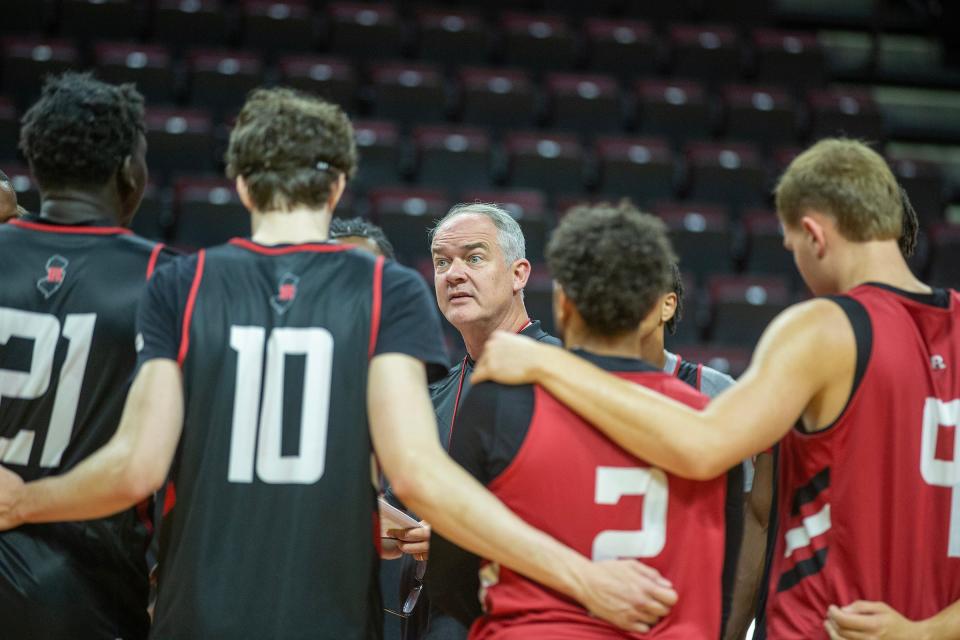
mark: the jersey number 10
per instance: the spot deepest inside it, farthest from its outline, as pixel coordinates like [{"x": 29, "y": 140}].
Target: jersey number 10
[
  {"x": 44, "y": 330},
  {"x": 943, "y": 473},
  {"x": 262, "y": 439}
]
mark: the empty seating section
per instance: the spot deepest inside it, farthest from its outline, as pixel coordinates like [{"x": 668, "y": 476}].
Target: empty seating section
[{"x": 691, "y": 109}]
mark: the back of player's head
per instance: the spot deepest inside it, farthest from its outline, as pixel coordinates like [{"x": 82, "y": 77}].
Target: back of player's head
[
  {"x": 80, "y": 131},
  {"x": 360, "y": 228},
  {"x": 290, "y": 149},
  {"x": 677, "y": 289},
  {"x": 613, "y": 262},
  {"x": 847, "y": 180},
  {"x": 512, "y": 242}
]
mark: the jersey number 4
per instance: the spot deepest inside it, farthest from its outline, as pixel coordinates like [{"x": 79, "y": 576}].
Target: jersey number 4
[
  {"x": 943, "y": 473},
  {"x": 262, "y": 440},
  {"x": 612, "y": 484},
  {"x": 44, "y": 331}
]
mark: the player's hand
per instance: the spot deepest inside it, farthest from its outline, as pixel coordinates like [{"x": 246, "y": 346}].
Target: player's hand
[
  {"x": 864, "y": 620},
  {"x": 508, "y": 358},
  {"x": 10, "y": 487},
  {"x": 628, "y": 594},
  {"x": 414, "y": 542}
]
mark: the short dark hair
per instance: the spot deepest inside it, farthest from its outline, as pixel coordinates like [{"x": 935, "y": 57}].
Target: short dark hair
[
  {"x": 613, "y": 262},
  {"x": 290, "y": 148},
  {"x": 677, "y": 288},
  {"x": 80, "y": 130},
  {"x": 346, "y": 227}
]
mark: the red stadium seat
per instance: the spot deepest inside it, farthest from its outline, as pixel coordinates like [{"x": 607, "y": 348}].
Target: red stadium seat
[
  {"x": 545, "y": 161},
  {"x": 149, "y": 67},
  {"x": 732, "y": 174},
  {"x": 700, "y": 234},
  {"x": 585, "y": 102},
  {"x": 625, "y": 47},
  {"x": 498, "y": 97},
  {"x": 191, "y": 22},
  {"x": 179, "y": 140},
  {"x": 711, "y": 53},
  {"x": 9, "y": 129},
  {"x": 743, "y": 306},
  {"x": 28, "y": 60},
  {"x": 278, "y": 25},
  {"x": 788, "y": 56},
  {"x": 378, "y": 144},
  {"x": 538, "y": 41},
  {"x": 454, "y": 157},
  {"x": 365, "y": 30},
  {"x": 845, "y": 112},
  {"x": 89, "y": 19},
  {"x": 208, "y": 212},
  {"x": 28, "y": 195},
  {"x": 763, "y": 114},
  {"x": 529, "y": 209},
  {"x": 221, "y": 80},
  {"x": 642, "y": 169},
  {"x": 405, "y": 215},
  {"x": 452, "y": 36},
  {"x": 331, "y": 78},
  {"x": 410, "y": 92},
  {"x": 674, "y": 108}
]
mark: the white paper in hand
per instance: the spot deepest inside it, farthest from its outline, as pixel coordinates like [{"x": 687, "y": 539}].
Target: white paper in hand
[{"x": 393, "y": 518}]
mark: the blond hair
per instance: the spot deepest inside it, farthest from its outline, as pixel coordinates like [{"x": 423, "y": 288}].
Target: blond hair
[{"x": 847, "y": 180}]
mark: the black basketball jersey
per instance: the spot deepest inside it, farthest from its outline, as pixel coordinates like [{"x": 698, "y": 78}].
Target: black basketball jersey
[
  {"x": 274, "y": 528},
  {"x": 67, "y": 326}
]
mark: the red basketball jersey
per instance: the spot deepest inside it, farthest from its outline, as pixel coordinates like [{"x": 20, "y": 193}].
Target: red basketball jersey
[
  {"x": 570, "y": 481},
  {"x": 869, "y": 508}
]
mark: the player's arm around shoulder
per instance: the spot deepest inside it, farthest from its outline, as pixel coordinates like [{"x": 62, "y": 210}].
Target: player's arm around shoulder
[{"x": 131, "y": 466}]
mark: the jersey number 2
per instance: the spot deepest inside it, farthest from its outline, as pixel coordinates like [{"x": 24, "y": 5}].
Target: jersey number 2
[
  {"x": 943, "y": 473},
  {"x": 44, "y": 330},
  {"x": 615, "y": 482},
  {"x": 266, "y": 438}
]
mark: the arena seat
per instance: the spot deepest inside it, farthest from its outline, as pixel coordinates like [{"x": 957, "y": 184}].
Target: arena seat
[
  {"x": 331, "y": 78},
  {"x": 408, "y": 92},
  {"x": 642, "y": 169},
  {"x": 28, "y": 60},
  {"x": 584, "y": 102},
  {"x": 365, "y": 30},
  {"x": 743, "y": 306},
  {"x": 709, "y": 53},
  {"x": 221, "y": 79},
  {"x": 452, "y": 35},
  {"x": 763, "y": 114},
  {"x": 700, "y": 234},
  {"x": 793, "y": 56},
  {"x": 728, "y": 173},
  {"x": 278, "y": 25},
  {"x": 89, "y": 19},
  {"x": 498, "y": 97},
  {"x": 28, "y": 196},
  {"x": 844, "y": 112},
  {"x": 378, "y": 145},
  {"x": 181, "y": 23},
  {"x": 148, "y": 66},
  {"x": 405, "y": 214},
  {"x": 208, "y": 211},
  {"x": 625, "y": 47},
  {"x": 538, "y": 41},
  {"x": 677, "y": 109},
  {"x": 455, "y": 157},
  {"x": 546, "y": 161},
  {"x": 179, "y": 140}
]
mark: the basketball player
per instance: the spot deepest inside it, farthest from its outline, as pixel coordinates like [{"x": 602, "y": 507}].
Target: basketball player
[
  {"x": 363, "y": 234},
  {"x": 545, "y": 463},
  {"x": 259, "y": 363},
  {"x": 72, "y": 277},
  {"x": 868, "y": 485}
]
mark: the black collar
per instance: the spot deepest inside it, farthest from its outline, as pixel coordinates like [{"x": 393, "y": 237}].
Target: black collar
[{"x": 617, "y": 363}]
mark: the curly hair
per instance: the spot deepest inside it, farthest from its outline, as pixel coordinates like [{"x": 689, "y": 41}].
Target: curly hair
[
  {"x": 613, "y": 262},
  {"x": 360, "y": 228},
  {"x": 80, "y": 130},
  {"x": 290, "y": 148},
  {"x": 911, "y": 226}
]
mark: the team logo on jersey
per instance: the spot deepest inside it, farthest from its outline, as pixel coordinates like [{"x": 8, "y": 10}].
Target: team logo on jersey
[
  {"x": 937, "y": 363},
  {"x": 53, "y": 280},
  {"x": 286, "y": 293}
]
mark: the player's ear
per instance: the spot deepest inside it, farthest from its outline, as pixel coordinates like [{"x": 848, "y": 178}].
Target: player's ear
[
  {"x": 815, "y": 232},
  {"x": 336, "y": 191},
  {"x": 561, "y": 307},
  {"x": 244, "y": 194},
  {"x": 521, "y": 274},
  {"x": 668, "y": 307}
]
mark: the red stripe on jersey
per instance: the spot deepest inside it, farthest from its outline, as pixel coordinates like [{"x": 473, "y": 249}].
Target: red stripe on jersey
[
  {"x": 188, "y": 311},
  {"x": 676, "y": 369},
  {"x": 58, "y": 228},
  {"x": 153, "y": 259},
  {"x": 243, "y": 243},
  {"x": 377, "y": 300},
  {"x": 699, "y": 377},
  {"x": 170, "y": 498}
]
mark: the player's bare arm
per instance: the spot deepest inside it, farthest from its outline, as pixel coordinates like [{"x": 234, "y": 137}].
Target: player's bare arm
[
  {"x": 864, "y": 620},
  {"x": 131, "y": 466},
  {"x": 803, "y": 366},
  {"x": 422, "y": 475}
]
